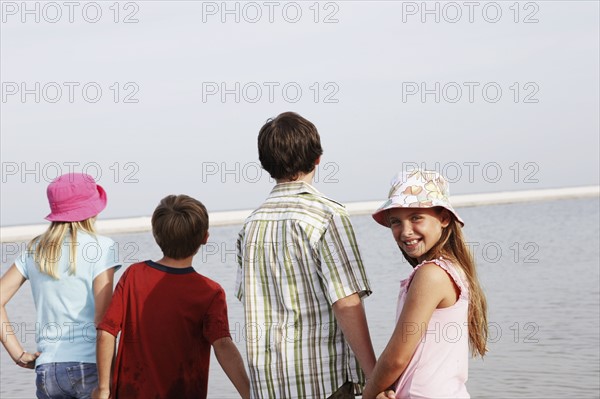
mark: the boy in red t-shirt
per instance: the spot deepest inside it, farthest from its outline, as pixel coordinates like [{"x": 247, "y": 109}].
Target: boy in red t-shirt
[{"x": 169, "y": 316}]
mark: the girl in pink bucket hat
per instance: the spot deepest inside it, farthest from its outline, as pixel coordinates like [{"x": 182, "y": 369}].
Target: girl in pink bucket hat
[
  {"x": 441, "y": 314},
  {"x": 71, "y": 271}
]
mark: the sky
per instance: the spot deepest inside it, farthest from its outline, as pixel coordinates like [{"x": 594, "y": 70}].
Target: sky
[{"x": 154, "y": 98}]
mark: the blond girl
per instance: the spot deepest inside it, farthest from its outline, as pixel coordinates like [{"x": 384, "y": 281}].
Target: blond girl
[{"x": 70, "y": 269}]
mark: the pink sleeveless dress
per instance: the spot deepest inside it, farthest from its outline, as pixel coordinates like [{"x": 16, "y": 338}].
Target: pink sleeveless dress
[{"x": 439, "y": 366}]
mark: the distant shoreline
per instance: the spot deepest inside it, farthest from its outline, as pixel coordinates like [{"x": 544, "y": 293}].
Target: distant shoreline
[{"x": 227, "y": 218}]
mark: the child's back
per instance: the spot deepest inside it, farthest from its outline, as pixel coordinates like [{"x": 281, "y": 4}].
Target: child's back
[
  {"x": 168, "y": 318},
  {"x": 290, "y": 272},
  {"x": 68, "y": 302}
]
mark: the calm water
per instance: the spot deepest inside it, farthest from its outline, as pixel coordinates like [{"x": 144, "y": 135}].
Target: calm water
[{"x": 538, "y": 262}]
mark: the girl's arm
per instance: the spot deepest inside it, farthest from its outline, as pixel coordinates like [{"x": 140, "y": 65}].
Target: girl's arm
[
  {"x": 9, "y": 285},
  {"x": 430, "y": 286},
  {"x": 103, "y": 290}
]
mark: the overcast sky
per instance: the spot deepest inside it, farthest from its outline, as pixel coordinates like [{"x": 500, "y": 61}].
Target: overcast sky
[{"x": 157, "y": 97}]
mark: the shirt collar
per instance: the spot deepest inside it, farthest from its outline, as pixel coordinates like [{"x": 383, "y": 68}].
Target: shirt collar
[
  {"x": 293, "y": 188},
  {"x": 297, "y": 188},
  {"x": 170, "y": 270}
]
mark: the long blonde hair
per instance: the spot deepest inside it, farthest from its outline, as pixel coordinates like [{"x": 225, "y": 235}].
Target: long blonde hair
[
  {"x": 48, "y": 246},
  {"x": 452, "y": 246}
]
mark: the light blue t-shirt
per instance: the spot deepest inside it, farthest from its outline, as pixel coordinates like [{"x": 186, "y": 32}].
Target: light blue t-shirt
[{"x": 65, "y": 329}]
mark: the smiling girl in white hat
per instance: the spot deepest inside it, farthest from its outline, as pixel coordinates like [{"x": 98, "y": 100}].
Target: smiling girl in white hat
[{"x": 441, "y": 307}]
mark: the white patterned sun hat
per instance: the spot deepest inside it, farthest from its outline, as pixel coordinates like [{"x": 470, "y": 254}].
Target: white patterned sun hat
[{"x": 416, "y": 189}]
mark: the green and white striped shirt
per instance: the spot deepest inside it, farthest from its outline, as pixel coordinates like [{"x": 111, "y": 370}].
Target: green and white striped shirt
[{"x": 297, "y": 255}]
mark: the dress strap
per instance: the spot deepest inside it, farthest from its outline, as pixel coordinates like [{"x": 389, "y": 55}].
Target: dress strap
[{"x": 450, "y": 269}]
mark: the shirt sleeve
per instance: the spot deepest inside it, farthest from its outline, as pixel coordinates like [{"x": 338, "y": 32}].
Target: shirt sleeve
[
  {"x": 216, "y": 324},
  {"x": 108, "y": 257},
  {"x": 342, "y": 268},
  {"x": 113, "y": 318},
  {"x": 239, "y": 281},
  {"x": 21, "y": 263}
]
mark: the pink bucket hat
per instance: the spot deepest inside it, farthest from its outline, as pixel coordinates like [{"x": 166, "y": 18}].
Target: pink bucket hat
[
  {"x": 74, "y": 197},
  {"x": 416, "y": 189}
]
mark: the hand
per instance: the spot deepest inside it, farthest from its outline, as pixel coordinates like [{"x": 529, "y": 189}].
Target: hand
[
  {"x": 101, "y": 394},
  {"x": 386, "y": 395},
  {"x": 27, "y": 361}
]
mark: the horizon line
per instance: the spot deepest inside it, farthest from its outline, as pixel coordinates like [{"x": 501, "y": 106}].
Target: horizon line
[{"x": 228, "y": 218}]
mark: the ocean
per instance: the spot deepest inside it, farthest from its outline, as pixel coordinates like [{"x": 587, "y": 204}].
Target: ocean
[{"x": 538, "y": 262}]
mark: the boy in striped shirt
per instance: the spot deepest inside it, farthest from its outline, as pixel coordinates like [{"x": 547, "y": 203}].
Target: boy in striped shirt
[{"x": 301, "y": 278}]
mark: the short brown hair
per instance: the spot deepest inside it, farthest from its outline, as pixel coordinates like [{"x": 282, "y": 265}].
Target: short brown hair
[
  {"x": 179, "y": 226},
  {"x": 288, "y": 145}
]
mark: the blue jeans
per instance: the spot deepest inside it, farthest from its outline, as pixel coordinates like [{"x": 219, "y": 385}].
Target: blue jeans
[{"x": 66, "y": 380}]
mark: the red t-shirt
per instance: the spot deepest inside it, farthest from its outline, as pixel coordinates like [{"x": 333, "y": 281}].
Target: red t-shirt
[{"x": 168, "y": 319}]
